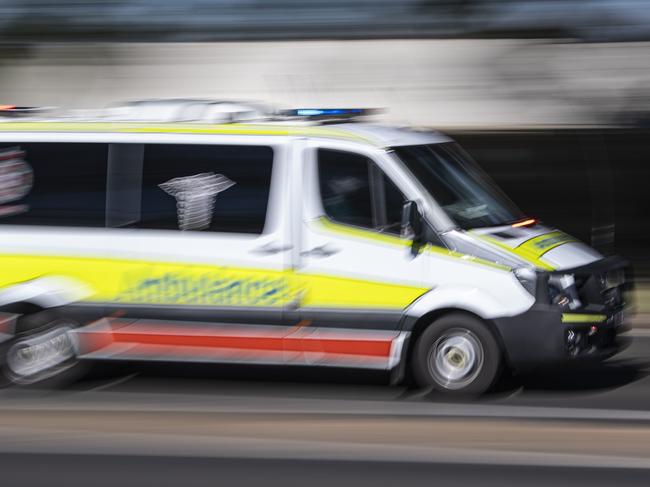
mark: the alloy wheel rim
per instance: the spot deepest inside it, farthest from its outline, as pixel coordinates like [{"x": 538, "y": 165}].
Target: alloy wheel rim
[{"x": 456, "y": 359}]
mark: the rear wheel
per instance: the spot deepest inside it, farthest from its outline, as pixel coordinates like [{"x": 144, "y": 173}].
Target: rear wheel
[
  {"x": 457, "y": 354},
  {"x": 43, "y": 351}
]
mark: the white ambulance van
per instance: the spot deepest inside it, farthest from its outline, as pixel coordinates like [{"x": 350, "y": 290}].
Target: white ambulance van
[{"x": 306, "y": 239}]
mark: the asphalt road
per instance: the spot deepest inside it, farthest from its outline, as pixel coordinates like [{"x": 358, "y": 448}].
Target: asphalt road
[
  {"x": 99, "y": 471},
  {"x": 171, "y": 425}
]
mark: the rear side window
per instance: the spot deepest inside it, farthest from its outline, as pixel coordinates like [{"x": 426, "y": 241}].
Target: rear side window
[
  {"x": 215, "y": 188},
  {"x": 356, "y": 192},
  {"x": 61, "y": 184}
]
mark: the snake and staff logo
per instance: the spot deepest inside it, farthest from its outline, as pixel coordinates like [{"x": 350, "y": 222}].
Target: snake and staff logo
[
  {"x": 16, "y": 179},
  {"x": 195, "y": 198}
]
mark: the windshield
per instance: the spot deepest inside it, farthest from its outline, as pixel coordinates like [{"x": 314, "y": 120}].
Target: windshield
[{"x": 458, "y": 185}]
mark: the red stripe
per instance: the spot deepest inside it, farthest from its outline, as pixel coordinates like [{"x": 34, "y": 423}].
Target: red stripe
[
  {"x": 353, "y": 346},
  {"x": 374, "y": 348},
  {"x": 7, "y": 321},
  {"x": 234, "y": 339},
  {"x": 165, "y": 352}
]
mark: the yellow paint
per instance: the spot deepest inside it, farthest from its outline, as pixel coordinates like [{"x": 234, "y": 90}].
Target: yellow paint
[
  {"x": 582, "y": 318},
  {"x": 543, "y": 243},
  {"x": 186, "y": 128},
  {"x": 336, "y": 292},
  {"x": 163, "y": 283},
  {"x": 356, "y": 232},
  {"x": 529, "y": 254},
  {"x": 141, "y": 282}
]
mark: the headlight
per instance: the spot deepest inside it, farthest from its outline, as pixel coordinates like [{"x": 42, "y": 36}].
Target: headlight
[
  {"x": 563, "y": 292},
  {"x": 528, "y": 278}
]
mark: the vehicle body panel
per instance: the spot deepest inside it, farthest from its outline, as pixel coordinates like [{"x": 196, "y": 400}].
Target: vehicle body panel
[{"x": 307, "y": 290}]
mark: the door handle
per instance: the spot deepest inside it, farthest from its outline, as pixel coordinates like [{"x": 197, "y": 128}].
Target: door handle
[
  {"x": 324, "y": 250},
  {"x": 272, "y": 248}
]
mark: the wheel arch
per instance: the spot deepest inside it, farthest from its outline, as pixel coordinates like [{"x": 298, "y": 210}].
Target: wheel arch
[
  {"x": 25, "y": 307},
  {"x": 42, "y": 293},
  {"x": 416, "y": 327}
]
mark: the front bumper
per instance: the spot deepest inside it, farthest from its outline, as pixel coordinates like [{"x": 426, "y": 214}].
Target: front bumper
[{"x": 545, "y": 336}]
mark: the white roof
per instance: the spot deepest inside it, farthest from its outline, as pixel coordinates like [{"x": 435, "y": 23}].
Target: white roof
[{"x": 392, "y": 136}]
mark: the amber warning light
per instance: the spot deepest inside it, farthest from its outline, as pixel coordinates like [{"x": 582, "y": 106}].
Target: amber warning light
[{"x": 525, "y": 223}]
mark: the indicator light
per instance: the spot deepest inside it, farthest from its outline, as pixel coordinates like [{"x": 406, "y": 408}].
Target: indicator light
[{"x": 525, "y": 223}]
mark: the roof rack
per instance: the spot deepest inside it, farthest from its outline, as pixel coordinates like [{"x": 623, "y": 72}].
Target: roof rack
[
  {"x": 176, "y": 110},
  {"x": 187, "y": 110},
  {"x": 223, "y": 111}
]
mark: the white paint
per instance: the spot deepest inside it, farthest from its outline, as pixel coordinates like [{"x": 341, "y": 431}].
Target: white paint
[
  {"x": 572, "y": 254},
  {"x": 487, "y": 296},
  {"x": 484, "y": 290},
  {"x": 46, "y": 292}
]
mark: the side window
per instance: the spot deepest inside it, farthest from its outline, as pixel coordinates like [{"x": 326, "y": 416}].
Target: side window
[
  {"x": 61, "y": 184},
  {"x": 355, "y": 191},
  {"x": 205, "y": 187},
  {"x": 345, "y": 187},
  {"x": 394, "y": 204}
]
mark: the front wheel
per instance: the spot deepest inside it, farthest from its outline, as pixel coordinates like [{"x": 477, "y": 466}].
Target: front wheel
[{"x": 457, "y": 354}]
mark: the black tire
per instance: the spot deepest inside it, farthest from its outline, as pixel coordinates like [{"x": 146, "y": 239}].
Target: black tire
[
  {"x": 30, "y": 329},
  {"x": 457, "y": 354}
]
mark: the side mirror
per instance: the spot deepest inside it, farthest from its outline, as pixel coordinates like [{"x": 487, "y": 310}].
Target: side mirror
[{"x": 411, "y": 226}]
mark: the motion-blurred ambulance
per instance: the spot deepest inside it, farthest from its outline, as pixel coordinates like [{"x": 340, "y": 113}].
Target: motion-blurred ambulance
[{"x": 304, "y": 238}]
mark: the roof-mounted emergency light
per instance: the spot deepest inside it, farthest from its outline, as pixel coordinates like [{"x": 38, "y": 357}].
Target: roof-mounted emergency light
[{"x": 329, "y": 113}]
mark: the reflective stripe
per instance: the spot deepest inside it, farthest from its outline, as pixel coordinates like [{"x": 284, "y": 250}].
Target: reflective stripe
[
  {"x": 337, "y": 292},
  {"x": 582, "y": 318},
  {"x": 171, "y": 341},
  {"x": 525, "y": 253},
  {"x": 190, "y": 128},
  {"x": 538, "y": 246},
  {"x": 172, "y": 283},
  {"x": 532, "y": 250}
]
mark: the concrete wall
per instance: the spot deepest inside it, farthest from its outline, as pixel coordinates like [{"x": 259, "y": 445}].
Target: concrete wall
[{"x": 423, "y": 82}]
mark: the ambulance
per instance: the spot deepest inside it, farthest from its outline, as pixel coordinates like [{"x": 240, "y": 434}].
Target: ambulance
[{"x": 217, "y": 234}]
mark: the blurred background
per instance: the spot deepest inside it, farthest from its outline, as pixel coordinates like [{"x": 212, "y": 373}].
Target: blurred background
[
  {"x": 544, "y": 93},
  {"x": 552, "y": 97}
]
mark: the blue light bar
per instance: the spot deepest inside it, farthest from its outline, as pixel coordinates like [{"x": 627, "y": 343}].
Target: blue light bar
[
  {"x": 329, "y": 113},
  {"x": 324, "y": 112}
]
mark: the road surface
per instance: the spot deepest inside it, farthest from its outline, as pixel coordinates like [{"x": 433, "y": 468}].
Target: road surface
[{"x": 167, "y": 425}]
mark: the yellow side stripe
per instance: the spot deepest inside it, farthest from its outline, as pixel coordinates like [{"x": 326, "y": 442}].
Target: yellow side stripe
[
  {"x": 356, "y": 232},
  {"x": 582, "y": 318},
  {"x": 524, "y": 253},
  {"x": 543, "y": 243},
  {"x": 176, "y": 283},
  {"x": 188, "y": 128}
]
